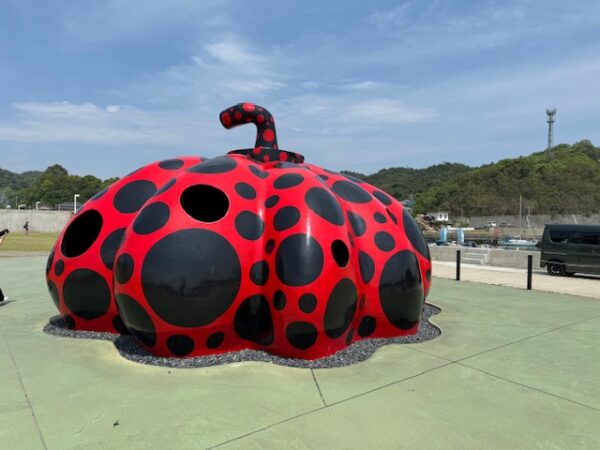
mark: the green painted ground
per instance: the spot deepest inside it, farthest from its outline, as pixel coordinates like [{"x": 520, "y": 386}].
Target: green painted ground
[
  {"x": 32, "y": 242},
  {"x": 512, "y": 369}
]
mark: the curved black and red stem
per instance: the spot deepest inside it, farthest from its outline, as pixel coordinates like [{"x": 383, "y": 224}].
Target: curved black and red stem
[{"x": 243, "y": 113}]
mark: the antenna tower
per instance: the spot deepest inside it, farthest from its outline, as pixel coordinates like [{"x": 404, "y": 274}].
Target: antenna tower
[{"x": 550, "y": 113}]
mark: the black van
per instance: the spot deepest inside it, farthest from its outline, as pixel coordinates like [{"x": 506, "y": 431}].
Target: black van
[{"x": 567, "y": 249}]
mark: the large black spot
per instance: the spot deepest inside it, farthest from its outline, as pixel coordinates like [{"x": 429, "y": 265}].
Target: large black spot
[
  {"x": 286, "y": 217},
  {"x": 358, "y": 224},
  {"x": 367, "y": 266},
  {"x": 340, "y": 308},
  {"x": 165, "y": 187},
  {"x": 119, "y": 326},
  {"x": 191, "y": 277},
  {"x": 249, "y": 225},
  {"x": 81, "y": 234},
  {"x": 204, "y": 203},
  {"x": 59, "y": 268},
  {"x": 414, "y": 234},
  {"x": 259, "y": 272},
  {"x": 401, "y": 290},
  {"x": 301, "y": 335},
  {"x": 124, "y": 268},
  {"x": 50, "y": 261},
  {"x": 307, "y": 303},
  {"x": 367, "y": 326},
  {"x": 379, "y": 217},
  {"x": 180, "y": 344},
  {"x": 136, "y": 319},
  {"x": 221, "y": 164},
  {"x": 272, "y": 201},
  {"x": 384, "y": 241},
  {"x": 259, "y": 173},
  {"x": 279, "y": 300},
  {"x": 246, "y": 191},
  {"x": 132, "y": 196},
  {"x": 253, "y": 320},
  {"x": 323, "y": 177},
  {"x": 340, "y": 253},
  {"x": 351, "y": 192},
  {"x": 299, "y": 260},
  {"x": 215, "y": 339},
  {"x": 323, "y": 204},
  {"x": 383, "y": 198},
  {"x": 288, "y": 180},
  {"x": 54, "y": 293},
  {"x": 86, "y": 294},
  {"x": 152, "y": 218},
  {"x": 171, "y": 164},
  {"x": 110, "y": 246},
  {"x": 99, "y": 194}
]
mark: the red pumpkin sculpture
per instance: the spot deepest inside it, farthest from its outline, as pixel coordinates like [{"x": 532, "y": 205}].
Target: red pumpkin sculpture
[{"x": 255, "y": 249}]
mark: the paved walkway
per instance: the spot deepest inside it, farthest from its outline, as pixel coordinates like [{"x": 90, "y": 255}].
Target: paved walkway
[{"x": 512, "y": 369}]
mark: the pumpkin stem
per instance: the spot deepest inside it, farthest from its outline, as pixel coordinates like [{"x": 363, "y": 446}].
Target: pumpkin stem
[{"x": 243, "y": 113}]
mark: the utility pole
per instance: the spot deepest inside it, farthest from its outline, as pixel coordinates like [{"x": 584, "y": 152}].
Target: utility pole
[{"x": 551, "y": 113}]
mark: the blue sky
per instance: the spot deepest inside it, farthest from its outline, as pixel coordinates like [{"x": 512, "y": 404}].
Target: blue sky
[{"x": 103, "y": 87}]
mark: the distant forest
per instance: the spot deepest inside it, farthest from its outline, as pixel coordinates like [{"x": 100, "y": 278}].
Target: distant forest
[{"x": 568, "y": 182}]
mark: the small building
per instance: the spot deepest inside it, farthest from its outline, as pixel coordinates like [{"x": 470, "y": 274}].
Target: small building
[
  {"x": 438, "y": 216},
  {"x": 68, "y": 206}
]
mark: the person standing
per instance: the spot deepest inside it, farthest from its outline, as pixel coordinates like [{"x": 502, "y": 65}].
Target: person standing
[{"x": 26, "y": 227}]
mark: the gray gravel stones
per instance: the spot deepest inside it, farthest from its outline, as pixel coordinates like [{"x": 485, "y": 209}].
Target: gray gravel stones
[{"x": 129, "y": 348}]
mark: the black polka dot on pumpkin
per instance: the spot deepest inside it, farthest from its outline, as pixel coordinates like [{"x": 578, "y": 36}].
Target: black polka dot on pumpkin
[
  {"x": 340, "y": 308},
  {"x": 279, "y": 300},
  {"x": 215, "y": 339},
  {"x": 367, "y": 266},
  {"x": 286, "y": 217},
  {"x": 119, "y": 326},
  {"x": 340, "y": 252},
  {"x": 132, "y": 196},
  {"x": 323, "y": 177},
  {"x": 351, "y": 178},
  {"x": 52, "y": 289},
  {"x": 307, "y": 303},
  {"x": 191, "y": 277},
  {"x": 384, "y": 241},
  {"x": 383, "y": 198},
  {"x": 358, "y": 224},
  {"x": 59, "y": 268},
  {"x": 221, "y": 164},
  {"x": 86, "y": 294},
  {"x": 351, "y": 192},
  {"x": 110, "y": 246},
  {"x": 349, "y": 337},
  {"x": 152, "y": 218},
  {"x": 180, "y": 344},
  {"x": 171, "y": 164},
  {"x": 392, "y": 216},
  {"x": 259, "y": 273},
  {"x": 124, "y": 268},
  {"x": 367, "y": 325},
  {"x": 99, "y": 194},
  {"x": 136, "y": 319},
  {"x": 401, "y": 290},
  {"x": 325, "y": 205},
  {"x": 165, "y": 187},
  {"x": 49, "y": 261},
  {"x": 272, "y": 201},
  {"x": 299, "y": 260},
  {"x": 81, "y": 234},
  {"x": 414, "y": 234},
  {"x": 269, "y": 246},
  {"x": 379, "y": 217},
  {"x": 249, "y": 225},
  {"x": 259, "y": 173},
  {"x": 301, "y": 335},
  {"x": 288, "y": 180},
  {"x": 246, "y": 191},
  {"x": 253, "y": 320}
]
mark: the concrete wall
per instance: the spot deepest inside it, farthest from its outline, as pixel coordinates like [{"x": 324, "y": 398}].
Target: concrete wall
[
  {"x": 39, "y": 221},
  {"x": 496, "y": 256}
]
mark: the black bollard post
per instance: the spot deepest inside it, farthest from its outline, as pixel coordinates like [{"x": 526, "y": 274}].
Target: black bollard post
[
  {"x": 457, "y": 265},
  {"x": 529, "y": 270}
]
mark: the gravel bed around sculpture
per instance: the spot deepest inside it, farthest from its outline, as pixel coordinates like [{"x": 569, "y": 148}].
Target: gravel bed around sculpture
[{"x": 360, "y": 351}]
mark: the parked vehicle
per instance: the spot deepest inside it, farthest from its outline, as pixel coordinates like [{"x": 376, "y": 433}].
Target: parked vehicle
[
  {"x": 469, "y": 244},
  {"x": 569, "y": 249}
]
